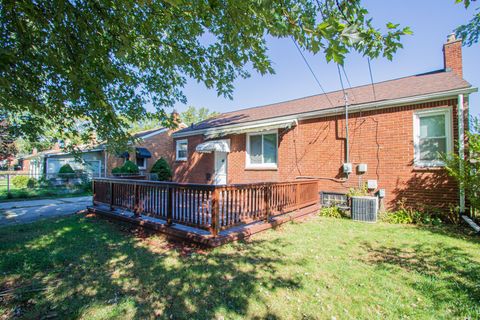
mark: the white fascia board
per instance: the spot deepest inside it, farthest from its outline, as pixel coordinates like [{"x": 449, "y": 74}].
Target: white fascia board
[
  {"x": 333, "y": 111},
  {"x": 69, "y": 153}
]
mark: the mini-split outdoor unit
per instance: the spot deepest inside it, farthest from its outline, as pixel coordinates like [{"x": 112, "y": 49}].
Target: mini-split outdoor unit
[{"x": 364, "y": 208}]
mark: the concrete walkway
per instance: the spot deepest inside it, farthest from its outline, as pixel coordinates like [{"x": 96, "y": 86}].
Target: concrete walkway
[{"x": 17, "y": 212}]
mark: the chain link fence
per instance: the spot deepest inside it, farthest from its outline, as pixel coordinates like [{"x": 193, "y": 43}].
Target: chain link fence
[{"x": 14, "y": 185}]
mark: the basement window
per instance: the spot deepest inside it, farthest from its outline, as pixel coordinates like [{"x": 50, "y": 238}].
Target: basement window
[
  {"x": 432, "y": 136},
  {"x": 262, "y": 150}
]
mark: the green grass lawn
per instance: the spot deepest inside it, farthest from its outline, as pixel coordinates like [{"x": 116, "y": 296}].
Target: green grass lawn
[{"x": 89, "y": 268}]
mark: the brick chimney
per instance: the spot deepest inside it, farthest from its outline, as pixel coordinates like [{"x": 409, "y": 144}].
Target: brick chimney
[
  {"x": 175, "y": 118},
  {"x": 452, "y": 55}
]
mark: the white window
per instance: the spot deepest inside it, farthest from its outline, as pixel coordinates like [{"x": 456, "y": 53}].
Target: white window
[
  {"x": 141, "y": 163},
  {"x": 432, "y": 136},
  {"x": 262, "y": 150},
  {"x": 182, "y": 150}
]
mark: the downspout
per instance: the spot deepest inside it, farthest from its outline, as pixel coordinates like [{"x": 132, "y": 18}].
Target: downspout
[
  {"x": 347, "y": 145},
  {"x": 461, "y": 148}
]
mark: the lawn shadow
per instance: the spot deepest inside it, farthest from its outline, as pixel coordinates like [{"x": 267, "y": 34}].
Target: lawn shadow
[
  {"x": 89, "y": 265},
  {"x": 451, "y": 275}
]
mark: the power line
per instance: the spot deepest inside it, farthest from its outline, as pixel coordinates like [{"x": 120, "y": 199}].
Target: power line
[
  {"x": 348, "y": 81},
  {"x": 371, "y": 79},
  {"x": 341, "y": 79},
  {"x": 346, "y": 77},
  {"x": 313, "y": 73}
]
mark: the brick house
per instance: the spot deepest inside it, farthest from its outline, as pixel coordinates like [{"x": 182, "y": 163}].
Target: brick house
[
  {"x": 154, "y": 144},
  {"x": 396, "y": 130}
]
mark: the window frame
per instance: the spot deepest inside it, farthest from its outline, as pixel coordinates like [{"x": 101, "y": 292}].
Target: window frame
[
  {"x": 177, "y": 144},
  {"x": 447, "y": 112},
  {"x": 261, "y": 166}
]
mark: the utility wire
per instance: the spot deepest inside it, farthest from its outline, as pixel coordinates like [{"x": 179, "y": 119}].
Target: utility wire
[
  {"x": 313, "y": 73},
  {"x": 371, "y": 80},
  {"x": 341, "y": 79},
  {"x": 348, "y": 81}
]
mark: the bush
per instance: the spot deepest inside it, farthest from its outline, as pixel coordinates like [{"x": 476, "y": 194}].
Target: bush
[
  {"x": 117, "y": 170},
  {"x": 469, "y": 177},
  {"x": 66, "y": 171},
  {"x": 408, "y": 215},
  {"x": 128, "y": 168},
  {"x": 21, "y": 182},
  {"x": 332, "y": 212},
  {"x": 162, "y": 169},
  {"x": 358, "y": 192}
]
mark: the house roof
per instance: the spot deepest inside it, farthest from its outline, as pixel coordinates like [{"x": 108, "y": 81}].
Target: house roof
[{"x": 416, "y": 85}]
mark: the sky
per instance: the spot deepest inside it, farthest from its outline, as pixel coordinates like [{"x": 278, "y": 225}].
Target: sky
[{"x": 430, "y": 20}]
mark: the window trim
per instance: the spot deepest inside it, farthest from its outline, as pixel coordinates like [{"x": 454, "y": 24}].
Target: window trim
[
  {"x": 263, "y": 166},
  {"x": 447, "y": 112},
  {"x": 177, "y": 144}
]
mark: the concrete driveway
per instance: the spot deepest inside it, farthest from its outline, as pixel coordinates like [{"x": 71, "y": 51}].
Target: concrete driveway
[{"x": 17, "y": 212}]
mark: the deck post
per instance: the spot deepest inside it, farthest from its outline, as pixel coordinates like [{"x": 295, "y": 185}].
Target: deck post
[
  {"x": 297, "y": 196},
  {"x": 169, "y": 205},
  {"x": 266, "y": 198},
  {"x": 136, "y": 201},
  {"x": 93, "y": 192},
  {"x": 215, "y": 211},
  {"x": 111, "y": 195}
]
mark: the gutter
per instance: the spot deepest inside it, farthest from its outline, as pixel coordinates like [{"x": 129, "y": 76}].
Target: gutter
[{"x": 377, "y": 105}]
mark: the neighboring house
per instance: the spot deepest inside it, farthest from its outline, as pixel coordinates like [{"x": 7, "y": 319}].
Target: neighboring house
[
  {"x": 96, "y": 161},
  {"x": 155, "y": 144},
  {"x": 396, "y": 128},
  {"x": 34, "y": 164}
]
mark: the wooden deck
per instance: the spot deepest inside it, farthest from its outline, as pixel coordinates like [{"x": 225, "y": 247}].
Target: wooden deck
[{"x": 206, "y": 214}]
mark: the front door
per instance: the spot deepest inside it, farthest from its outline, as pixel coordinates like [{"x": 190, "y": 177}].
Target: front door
[{"x": 220, "y": 168}]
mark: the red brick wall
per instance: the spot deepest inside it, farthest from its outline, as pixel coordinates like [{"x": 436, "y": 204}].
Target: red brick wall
[
  {"x": 198, "y": 168},
  {"x": 382, "y": 139},
  {"x": 452, "y": 54}
]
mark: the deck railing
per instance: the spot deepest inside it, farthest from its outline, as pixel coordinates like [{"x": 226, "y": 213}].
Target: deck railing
[{"x": 207, "y": 207}]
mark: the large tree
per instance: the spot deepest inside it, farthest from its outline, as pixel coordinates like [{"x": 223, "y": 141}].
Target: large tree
[
  {"x": 470, "y": 32},
  {"x": 7, "y": 140},
  {"x": 104, "y": 61},
  {"x": 193, "y": 115}
]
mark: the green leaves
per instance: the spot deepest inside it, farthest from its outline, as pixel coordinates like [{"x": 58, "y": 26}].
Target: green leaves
[
  {"x": 103, "y": 62},
  {"x": 193, "y": 115},
  {"x": 469, "y": 32}
]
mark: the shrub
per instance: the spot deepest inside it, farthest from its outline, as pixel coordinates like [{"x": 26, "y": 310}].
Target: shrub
[
  {"x": 45, "y": 182},
  {"x": 358, "y": 192},
  {"x": 408, "y": 215},
  {"x": 21, "y": 182},
  {"x": 468, "y": 177},
  {"x": 130, "y": 168},
  {"x": 162, "y": 169},
  {"x": 66, "y": 171},
  {"x": 332, "y": 212},
  {"x": 117, "y": 170}
]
